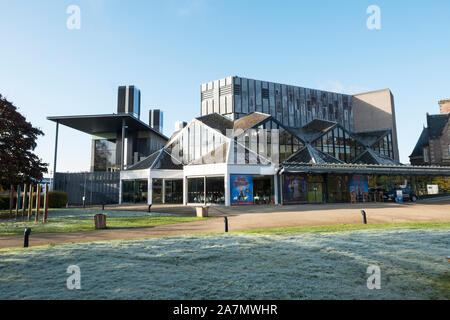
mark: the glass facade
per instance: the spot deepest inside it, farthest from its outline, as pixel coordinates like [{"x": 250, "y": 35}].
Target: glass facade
[
  {"x": 104, "y": 155},
  {"x": 268, "y": 141},
  {"x": 215, "y": 190},
  {"x": 173, "y": 192},
  {"x": 384, "y": 146},
  {"x": 196, "y": 141},
  {"x": 134, "y": 191},
  {"x": 335, "y": 188},
  {"x": 263, "y": 189},
  {"x": 339, "y": 144},
  {"x": 213, "y": 186},
  {"x": 157, "y": 195},
  {"x": 196, "y": 190}
]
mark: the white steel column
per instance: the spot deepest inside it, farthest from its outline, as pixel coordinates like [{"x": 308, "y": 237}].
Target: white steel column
[
  {"x": 226, "y": 180},
  {"x": 149, "y": 189},
  {"x": 276, "y": 186}
]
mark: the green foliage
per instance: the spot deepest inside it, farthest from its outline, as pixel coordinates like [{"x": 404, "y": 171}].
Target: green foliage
[
  {"x": 18, "y": 162},
  {"x": 4, "y": 203},
  {"x": 57, "y": 199}
]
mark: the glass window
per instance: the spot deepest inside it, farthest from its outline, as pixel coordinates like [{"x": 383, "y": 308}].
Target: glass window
[
  {"x": 173, "y": 192},
  {"x": 157, "y": 191},
  {"x": 104, "y": 155},
  {"x": 196, "y": 190},
  {"x": 215, "y": 190},
  {"x": 134, "y": 191}
]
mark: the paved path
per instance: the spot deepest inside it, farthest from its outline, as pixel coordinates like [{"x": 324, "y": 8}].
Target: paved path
[{"x": 256, "y": 217}]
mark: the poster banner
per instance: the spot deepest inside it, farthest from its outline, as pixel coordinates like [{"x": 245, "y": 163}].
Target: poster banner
[
  {"x": 241, "y": 190},
  {"x": 359, "y": 184},
  {"x": 294, "y": 188}
]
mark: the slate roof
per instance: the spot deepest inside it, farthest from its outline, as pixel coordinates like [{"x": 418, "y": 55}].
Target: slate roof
[
  {"x": 435, "y": 124},
  {"x": 421, "y": 143},
  {"x": 371, "y": 157},
  {"x": 160, "y": 159},
  {"x": 369, "y": 138},
  {"x": 145, "y": 163},
  {"x": 217, "y": 121},
  {"x": 314, "y": 129},
  {"x": 250, "y": 120},
  {"x": 309, "y": 154}
]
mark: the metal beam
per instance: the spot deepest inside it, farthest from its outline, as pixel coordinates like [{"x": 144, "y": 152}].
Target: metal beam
[
  {"x": 55, "y": 155},
  {"x": 122, "y": 160}
]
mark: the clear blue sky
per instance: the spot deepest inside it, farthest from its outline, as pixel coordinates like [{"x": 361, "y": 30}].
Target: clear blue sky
[{"x": 168, "y": 48}]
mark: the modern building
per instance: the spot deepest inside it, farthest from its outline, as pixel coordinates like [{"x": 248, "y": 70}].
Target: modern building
[
  {"x": 259, "y": 142},
  {"x": 119, "y": 140},
  {"x": 295, "y": 107}
]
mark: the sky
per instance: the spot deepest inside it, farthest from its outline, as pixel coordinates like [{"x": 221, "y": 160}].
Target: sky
[{"x": 168, "y": 48}]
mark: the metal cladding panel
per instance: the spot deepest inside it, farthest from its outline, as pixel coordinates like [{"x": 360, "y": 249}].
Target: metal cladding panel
[
  {"x": 130, "y": 99},
  {"x": 258, "y": 97},
  {"x": 293, "y": 106},
  {"x": 279, "y": 111},
  {"x": 121, "y": 92},
  {"x": 244, "y": 96},
  {"x": 285, "y": 110},
  {"x": 216, "y": 102},
  {"x": 272, "y": 108},
  {"x": 290, "y": 96},
  {"x": 204, "y": 108},
  {"x": 251, "y": 95},
  {"x": 265, "y": 100},
  {"x": 237, "y": 97}
]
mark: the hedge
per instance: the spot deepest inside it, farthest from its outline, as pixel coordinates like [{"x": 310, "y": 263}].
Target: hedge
[{"x": 56, "y": 199}]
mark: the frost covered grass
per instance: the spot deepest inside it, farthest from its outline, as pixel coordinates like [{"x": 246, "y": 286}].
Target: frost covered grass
[
  {"x": 305, "y": 265},
  {"x": 69, "y": 220},
  {"x": 350, "y": 227}
]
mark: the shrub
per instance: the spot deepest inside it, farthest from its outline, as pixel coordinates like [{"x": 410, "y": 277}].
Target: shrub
[
  {"x": 4, "y": 203},
  {"x": 57, "y": 199}
]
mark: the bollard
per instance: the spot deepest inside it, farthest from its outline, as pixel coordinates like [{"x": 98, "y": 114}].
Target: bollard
[
  {"x": 149, "y": 208},
  {"x": 103, "y": 206},
  {"x": 225, "y": 220},
  {"x": 364, "y": 216},
  {"x": 26, "y": 237}
]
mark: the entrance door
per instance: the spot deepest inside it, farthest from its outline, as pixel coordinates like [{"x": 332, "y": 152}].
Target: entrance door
[{"x": 315, "y": 192}]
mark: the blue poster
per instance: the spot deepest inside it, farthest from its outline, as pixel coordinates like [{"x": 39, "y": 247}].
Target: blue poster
[
  {"x": 359, "y": 184},
  {"x": 241, "y": 189}
]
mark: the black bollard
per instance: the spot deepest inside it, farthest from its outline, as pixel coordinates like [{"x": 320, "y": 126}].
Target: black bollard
[
  {"x": 149, "y": 208},
  {"x": 225, "y": 220},
  {"x": 26, "y": 237},
  {"x": 103, "y": 206},
  {"x": 364, "y": 216}
]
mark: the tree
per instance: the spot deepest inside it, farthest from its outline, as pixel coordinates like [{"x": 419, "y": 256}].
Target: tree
[{"x": 18, "y": 163}]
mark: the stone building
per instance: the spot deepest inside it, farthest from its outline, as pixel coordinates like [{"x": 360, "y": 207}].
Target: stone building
[{"x": 433, "y": 146}]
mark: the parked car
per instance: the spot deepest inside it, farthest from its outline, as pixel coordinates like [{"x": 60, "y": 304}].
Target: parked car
[{"x": 407, "y": 193}]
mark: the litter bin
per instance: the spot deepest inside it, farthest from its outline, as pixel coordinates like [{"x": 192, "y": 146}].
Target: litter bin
[
  {"x": 100, "y": 221},
  {"x": 202, "y": 211}
]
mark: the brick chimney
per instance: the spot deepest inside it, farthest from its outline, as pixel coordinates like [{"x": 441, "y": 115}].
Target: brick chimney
[{"x": 444, "y": 105}]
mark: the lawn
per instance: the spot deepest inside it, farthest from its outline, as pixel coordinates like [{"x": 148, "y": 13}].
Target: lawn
[
  {"x": 69, "y": 220},
  {"x": 286, "y": 265}
]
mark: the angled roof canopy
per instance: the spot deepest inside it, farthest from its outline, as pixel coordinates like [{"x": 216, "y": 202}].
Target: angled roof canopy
[
  {"x": 309, "y": 154},
  {"x": 101, "y": 123},
  {"x": 160, "y": 159}
]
